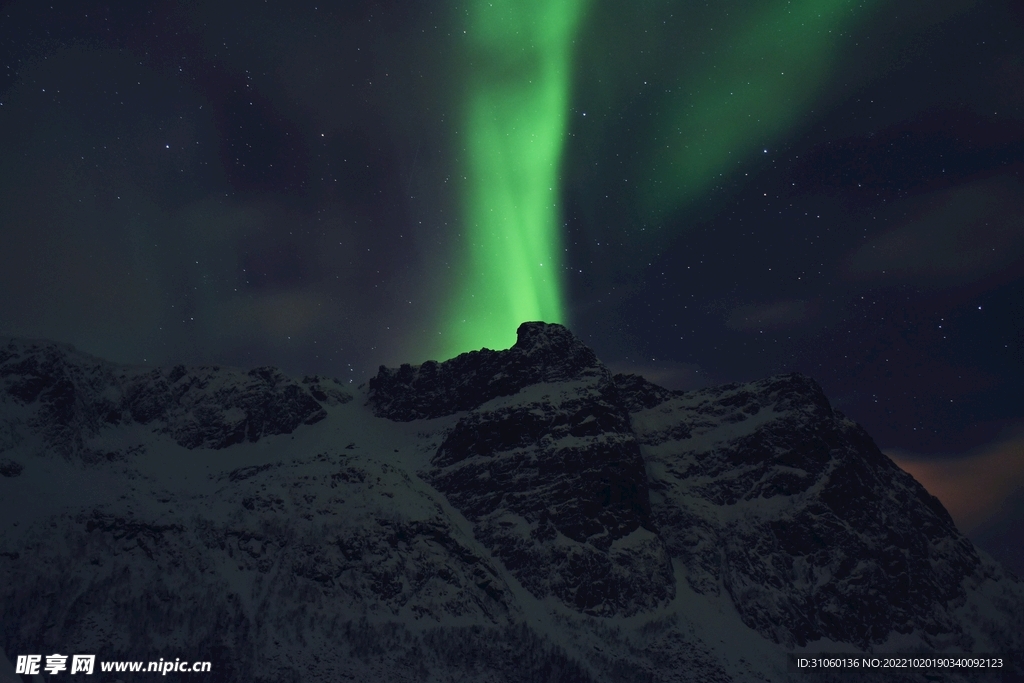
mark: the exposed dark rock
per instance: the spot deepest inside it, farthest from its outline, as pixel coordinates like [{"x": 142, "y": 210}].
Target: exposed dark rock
[
  {"x": 542, "y": 471},
  {"x": 10, "y": 468},
  {"x": 214, "y": 408},
  {"x": 327, "y": 391},
  {"x": 93, "y": 455},
  {"x": 554, "y": 487},
  {"x": 853, "y": 549},
  {"x": 637, "y": 393},
  {"x": 67, "y": 397},
  {"x": 542, "y": 353},
  {"x": 77, "y": 396},
  {"x": 594, "y": 493},
  {"x": 250, "y": 471},
  {"x": 553, "y": 480}
]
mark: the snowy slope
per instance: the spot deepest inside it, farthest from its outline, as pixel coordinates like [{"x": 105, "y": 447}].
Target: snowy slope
[{"x": 517, "y": 515}]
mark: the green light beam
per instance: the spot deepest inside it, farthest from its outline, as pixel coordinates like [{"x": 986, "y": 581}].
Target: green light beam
[
  {"x": 514, "y": 120},
  {"x": 762, "y": 84}
]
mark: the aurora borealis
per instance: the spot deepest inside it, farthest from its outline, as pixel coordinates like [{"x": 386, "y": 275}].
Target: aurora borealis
[
  {"x": 517, "y": 98},
  {"x": 515, "y": 118},
  {"x": 772, "y": 63},
  {"x": 717, "y": 192}
]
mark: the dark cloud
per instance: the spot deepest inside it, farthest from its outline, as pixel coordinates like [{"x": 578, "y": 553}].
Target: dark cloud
[
  {"x": 771, "y": 316},
  {"x": 975, "y": 487},
  {"x": 950, "y": 239},
  {"x": 983, "y": 490}
]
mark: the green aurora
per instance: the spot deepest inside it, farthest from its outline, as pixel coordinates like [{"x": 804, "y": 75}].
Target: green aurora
[
  {"x": 514, "y": 123},
  {"x": 755, "y": 81},
  {"x": 768, "y": 71}
]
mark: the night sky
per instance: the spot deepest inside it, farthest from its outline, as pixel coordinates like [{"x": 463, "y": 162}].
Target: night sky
[{"x": 703, "y": 192}]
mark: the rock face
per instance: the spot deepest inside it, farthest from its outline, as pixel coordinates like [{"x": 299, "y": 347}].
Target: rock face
[
  {"x": 76, "y": 396},
  {"x": 517, "y": 515},
  {"x": 552, "y": 477},
  {"x": 212, "y": 408},
  {"x": 765, "y": 491},
  {"x": 542, "y": 353},
  {"x": 298, "y": 576}
]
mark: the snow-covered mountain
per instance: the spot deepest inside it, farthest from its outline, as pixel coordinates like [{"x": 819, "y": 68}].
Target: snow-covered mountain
[{"x": 519, "y": 515}]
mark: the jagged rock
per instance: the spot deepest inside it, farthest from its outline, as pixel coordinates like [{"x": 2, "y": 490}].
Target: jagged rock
[
  {"x": 514, "y": 515},
  {"x": 217, "y": 408},
  {"x": 556, "y": 488},
  {"x": 77, "y": 396},
  {"x": 67, "y": 388},
  {"x": 10, "y": 468},
  {"x": 797, "y": 514},
  {"x": 637, "y": 393},
  {"x": 552, "y": 479},
  {"x": 542, "y": 353},
  {"x": 322, "y": 390}
]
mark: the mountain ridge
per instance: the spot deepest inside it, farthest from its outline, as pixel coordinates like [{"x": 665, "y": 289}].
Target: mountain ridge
[{"x": 529, "y": 494}]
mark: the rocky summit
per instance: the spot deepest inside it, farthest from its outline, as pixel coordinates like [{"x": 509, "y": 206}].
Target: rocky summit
[
  {"x": 551, "y": 476},
  {"x": 514, "y": 515}
]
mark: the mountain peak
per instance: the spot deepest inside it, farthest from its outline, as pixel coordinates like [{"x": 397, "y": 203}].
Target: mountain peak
[
  {"x": 532, "y": 335},
  {"x": 546, "y": 507},
  {"x": 543, "y": 352}
]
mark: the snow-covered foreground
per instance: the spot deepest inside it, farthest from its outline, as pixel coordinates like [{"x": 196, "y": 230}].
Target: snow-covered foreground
[{"x": 519, "y": 515}]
